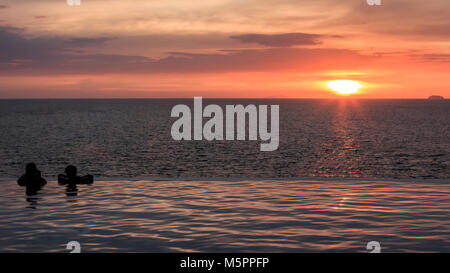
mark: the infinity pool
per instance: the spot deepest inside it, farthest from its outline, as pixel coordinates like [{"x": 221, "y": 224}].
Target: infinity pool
[{"x": 228, "y": 216}]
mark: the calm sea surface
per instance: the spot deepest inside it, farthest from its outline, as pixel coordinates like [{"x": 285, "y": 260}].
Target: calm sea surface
[
  {"x": 228, "y": 216},
  {"x": 395, "y": 152},
  {"x": 318, "y": 138}
]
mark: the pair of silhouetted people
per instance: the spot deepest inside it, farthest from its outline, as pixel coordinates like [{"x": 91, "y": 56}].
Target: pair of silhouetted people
[{"x": 34, "y": 182}]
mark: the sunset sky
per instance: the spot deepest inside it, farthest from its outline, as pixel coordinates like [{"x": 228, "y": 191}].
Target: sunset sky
[{"x": 223, "y": 48}]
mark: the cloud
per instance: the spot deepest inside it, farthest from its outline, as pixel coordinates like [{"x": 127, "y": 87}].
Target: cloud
[
  {"x": 83, "y": 42},
  {"x": 53, "y": 55},
  {"x": 15, "y": 46},
  {"x": 439, "y": 31},
  {"x": 4, "y": 6},
  {"x": 399, "y": 18},
  {"x": 271, "y": 59},
  {"x": 442, "y": 58},
  {"x": 279, "y": 40},
  {"x": 40, "y": 17}
]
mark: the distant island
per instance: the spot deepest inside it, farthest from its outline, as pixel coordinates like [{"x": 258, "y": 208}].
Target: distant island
[{"x": 436, "y": 98}]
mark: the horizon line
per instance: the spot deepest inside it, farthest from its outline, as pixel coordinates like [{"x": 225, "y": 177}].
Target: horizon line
[{"x": 244, "y": 98}]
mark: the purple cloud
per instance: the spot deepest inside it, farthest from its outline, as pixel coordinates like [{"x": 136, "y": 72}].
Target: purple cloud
[
  {"x": 53, "y": 55},
  {"x": 279, "y": 40}
]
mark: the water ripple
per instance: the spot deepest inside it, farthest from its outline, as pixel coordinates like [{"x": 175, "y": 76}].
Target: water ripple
[{"x": 221, "y": 216}]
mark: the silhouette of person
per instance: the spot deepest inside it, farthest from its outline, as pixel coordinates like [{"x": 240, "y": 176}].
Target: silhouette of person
[
  {"x": 32, "y": 179},
  {"x": 33, "y": 182},
  {"x": 71, "y": 178},
  {"x": 71, "y": 190}
]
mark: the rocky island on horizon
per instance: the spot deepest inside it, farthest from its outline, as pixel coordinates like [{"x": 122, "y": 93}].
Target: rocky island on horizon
[{"x": 434, "y": 97}]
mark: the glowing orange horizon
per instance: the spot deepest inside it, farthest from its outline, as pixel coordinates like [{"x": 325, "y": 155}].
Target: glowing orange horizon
[{"x": 278, "y": 50}]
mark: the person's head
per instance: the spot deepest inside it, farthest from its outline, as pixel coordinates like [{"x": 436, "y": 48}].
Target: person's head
[
  {"x": 31, "y": 169},
  {"x": 71, "y": 171}
]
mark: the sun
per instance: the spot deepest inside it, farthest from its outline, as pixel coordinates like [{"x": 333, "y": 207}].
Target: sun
[{"x": 344, "y": 87}]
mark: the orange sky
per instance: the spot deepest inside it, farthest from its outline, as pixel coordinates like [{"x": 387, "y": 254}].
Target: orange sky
[{"x": 223, "y": 48}]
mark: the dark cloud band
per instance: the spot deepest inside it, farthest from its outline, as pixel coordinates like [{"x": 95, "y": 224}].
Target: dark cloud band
[{"x": 279, "y": 40}]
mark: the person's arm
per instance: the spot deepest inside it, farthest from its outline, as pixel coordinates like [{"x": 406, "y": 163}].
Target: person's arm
[
  {"x": 42, "y": 182},
  {"x": 62, "y": 179},
  {"x": 87, "y": 179},
  {"x": 22, "y": 181}
]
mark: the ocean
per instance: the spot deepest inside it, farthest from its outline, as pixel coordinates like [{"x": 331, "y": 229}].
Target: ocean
[
  {"x": 346, "y": 173},
  {"x": 318, "y": 138}
]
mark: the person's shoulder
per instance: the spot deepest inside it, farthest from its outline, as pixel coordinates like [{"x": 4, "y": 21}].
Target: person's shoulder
[
  {"x": 62, "y": 179},
  {"x": 42, "y": 181},
  {"x": 27, "y": 180},
  {"x": 22, "y": 181}
]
